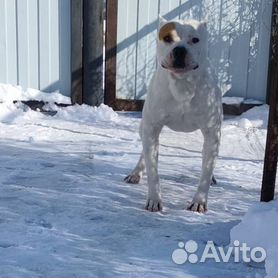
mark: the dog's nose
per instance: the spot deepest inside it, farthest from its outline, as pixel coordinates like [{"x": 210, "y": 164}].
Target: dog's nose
[{"x": 179, "y": 52}]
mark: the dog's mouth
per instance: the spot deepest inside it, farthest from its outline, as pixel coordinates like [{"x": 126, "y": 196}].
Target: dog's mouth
[{"x": 180, "y": 70}]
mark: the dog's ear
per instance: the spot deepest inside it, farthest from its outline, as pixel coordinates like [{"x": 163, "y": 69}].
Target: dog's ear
[
  {"x": 161, "y": 21},
  {"x": 203, "y": 29},
  {"x": 203, "y": 25}
]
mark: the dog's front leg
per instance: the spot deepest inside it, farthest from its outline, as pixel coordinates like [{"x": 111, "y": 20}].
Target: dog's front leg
[
  {"x": 210, "y": 152},
  {"x": 150, "y": 140}
]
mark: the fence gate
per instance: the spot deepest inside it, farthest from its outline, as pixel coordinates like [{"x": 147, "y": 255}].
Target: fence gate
[{"x": 238, "y": 46}]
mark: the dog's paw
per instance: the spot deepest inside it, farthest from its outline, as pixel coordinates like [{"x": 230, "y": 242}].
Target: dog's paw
[
  {"x": 198, "y": 204},
  {"x": 153, "y": 205},
  {"x": 196, "y": 207},
  {"x": 133, "y": 178}
]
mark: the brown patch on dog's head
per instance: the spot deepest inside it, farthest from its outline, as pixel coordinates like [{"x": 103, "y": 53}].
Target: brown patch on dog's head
[{"x": 168, "y": 32}]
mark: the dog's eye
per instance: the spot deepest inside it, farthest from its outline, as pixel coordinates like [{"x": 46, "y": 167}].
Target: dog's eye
[
  {"x": 168, "y": 39},
  {"x": 195, "y": 40}
]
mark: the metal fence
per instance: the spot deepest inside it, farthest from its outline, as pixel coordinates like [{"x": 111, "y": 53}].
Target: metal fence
[{"x": 238, "y": 46}]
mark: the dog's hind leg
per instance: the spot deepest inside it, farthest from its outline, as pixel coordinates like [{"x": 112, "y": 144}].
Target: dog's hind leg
[
  {"x": 138, "y": 171},
  {"x": 213, "y": 181}
]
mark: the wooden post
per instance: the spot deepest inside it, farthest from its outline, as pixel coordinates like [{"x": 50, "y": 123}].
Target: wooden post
[
  {"x": 76, "y": 51},
  {"x": 111, "y": 52},
  {"x": 93, "y": 41},
  {"x": 271, "y": 151},
  {"x": 111, "y": 63}
]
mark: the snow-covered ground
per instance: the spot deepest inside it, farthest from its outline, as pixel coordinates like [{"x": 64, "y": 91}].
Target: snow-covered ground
[{"x": 66, "y": 212}]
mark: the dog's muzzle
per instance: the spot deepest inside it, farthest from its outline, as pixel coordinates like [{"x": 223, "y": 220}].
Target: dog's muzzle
[{"x": 179, "y": 61}]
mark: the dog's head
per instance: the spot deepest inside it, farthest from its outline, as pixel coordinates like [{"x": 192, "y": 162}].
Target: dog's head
[{"x": 182, "y": 45}]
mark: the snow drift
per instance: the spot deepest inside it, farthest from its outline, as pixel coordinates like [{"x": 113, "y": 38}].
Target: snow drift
[{"x": 259, "y": 228}]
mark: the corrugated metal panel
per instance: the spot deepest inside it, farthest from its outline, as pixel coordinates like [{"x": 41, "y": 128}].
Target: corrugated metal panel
[
  {"x": 35, "y": 44},
  {"x": 145, "y": 56},
  {"x": 127, "y": 45},
  {"x": 238, "y": 47}
]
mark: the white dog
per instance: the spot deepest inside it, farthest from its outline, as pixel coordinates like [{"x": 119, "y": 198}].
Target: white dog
[{"x": 183, "y": 95}]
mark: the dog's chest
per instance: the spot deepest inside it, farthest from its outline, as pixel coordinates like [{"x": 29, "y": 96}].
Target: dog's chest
[
  {"x": 181, "y": 117},
  {"x": 186, "y": 111},
  {"x": 183, "y": 90}
]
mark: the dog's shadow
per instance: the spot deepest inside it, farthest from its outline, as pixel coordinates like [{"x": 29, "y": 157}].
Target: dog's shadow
[{"x": 181, "y": 179}]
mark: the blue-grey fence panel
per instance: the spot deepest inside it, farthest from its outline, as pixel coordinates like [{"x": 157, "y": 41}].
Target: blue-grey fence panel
[
  {"x": 35, "y": 44},
  {"x": 238, "y": 47},
  {"x": 127, "y": 46},
  {"x": 145, "y": 55}
]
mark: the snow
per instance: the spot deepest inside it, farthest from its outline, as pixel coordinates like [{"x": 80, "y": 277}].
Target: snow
[
  {"x": 245, "y": 123},
  {"x": 66, "y": 212},
  {"x": 232, "y": 100},
  {"x": 85, "y": 113},
  {"x": 9, "y": 93},
  {"x": 262, "y": 220},
  {"x": 240, "y": 100},
  {"x": 256, "y": 118},
  {"x": 252, "y": 101}
]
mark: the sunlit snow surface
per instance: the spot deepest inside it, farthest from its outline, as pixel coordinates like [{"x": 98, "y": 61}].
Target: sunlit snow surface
[{"x": 66, "y": 212}]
